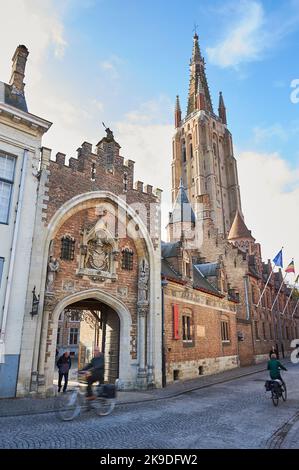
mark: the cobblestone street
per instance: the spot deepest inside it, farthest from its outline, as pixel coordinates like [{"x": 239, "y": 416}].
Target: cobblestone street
[{"x": 235, "y": 414}]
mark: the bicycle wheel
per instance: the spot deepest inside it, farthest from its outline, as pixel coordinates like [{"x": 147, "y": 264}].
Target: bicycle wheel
[
  {"x": 104, "y": 406},
  {"x": 284, "y": 393},
  {"x": 68, "y": 406},
  {"x": 275, "y": 398}
]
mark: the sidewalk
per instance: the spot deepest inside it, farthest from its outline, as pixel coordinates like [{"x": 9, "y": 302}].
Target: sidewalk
[{"x": 31, "y": 405}]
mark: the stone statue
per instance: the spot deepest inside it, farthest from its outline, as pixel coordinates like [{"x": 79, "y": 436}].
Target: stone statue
[
  {"x": 53, "y": 267},
  {"x": 109, "y": 133},
  {"x": 143, "y": 281}
]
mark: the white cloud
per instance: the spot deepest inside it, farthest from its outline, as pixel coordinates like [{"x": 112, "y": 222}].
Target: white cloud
[
  {"x": 243, "y": 41},
  {"x": 266, "y": 133},
  {"x": 111, "y": 66},
  {"x": 250, "y": 31},
  {"x": 270, "y": 201},
  {"x": 36, "y": 24}
]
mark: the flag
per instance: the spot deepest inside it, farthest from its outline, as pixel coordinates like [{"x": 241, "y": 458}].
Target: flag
[
  {"x": 278, "y": 259},
  {"x": 290, "y": 268}
]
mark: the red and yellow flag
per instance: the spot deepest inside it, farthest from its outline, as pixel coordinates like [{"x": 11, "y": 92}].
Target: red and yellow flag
[{"x": 290, "y": 268}]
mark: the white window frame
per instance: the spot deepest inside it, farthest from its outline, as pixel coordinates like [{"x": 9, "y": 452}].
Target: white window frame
[{"x": 9, "y": 182}]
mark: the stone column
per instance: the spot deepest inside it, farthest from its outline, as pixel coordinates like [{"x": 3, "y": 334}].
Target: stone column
[{"x": 142, "y": 311}]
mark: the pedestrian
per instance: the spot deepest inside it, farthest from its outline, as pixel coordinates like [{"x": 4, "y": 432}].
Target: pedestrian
[
  {"x": 64, "y": 364},
  {"x": 274, "y": 350}
]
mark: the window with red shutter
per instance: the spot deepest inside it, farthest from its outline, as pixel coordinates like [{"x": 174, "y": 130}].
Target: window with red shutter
[{"x": 175, "y": 312}]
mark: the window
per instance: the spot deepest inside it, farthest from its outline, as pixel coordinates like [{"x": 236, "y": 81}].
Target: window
[
  {"x": 187, "y": 336},
  {"x": 256, "y": 330},
  {"x": 191, "y": 150},
  {"x": 58, "y": 335},
  {"x": 74, "y": 335},
  {"x": 125, "y": 181},
  {"x": 7, "y": 170},
  {"x": 75, "y": 316},
  {"x": 184, "y": 152},
  {"x": 225, "y": 331},
  {"x": 127, "y": 259},
  {"x": 1, "y": 268},
  {"x": 264, "y": 331},
  {"x": 271, "y": 331},
  {"x": 67, "y": 248}
]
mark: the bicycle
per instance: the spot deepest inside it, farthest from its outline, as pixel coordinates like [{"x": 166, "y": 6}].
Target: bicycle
[
  {"x": 278, "y": 390},
  {"x": 70, "y": 404}
]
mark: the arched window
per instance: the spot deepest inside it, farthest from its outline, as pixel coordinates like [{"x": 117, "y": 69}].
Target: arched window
[
  {"x": 127, "y": 259},
  {"x": 184, "y": 157},
  {"x": 67, "y": 248},
  {"x": 191, "y": 150}
]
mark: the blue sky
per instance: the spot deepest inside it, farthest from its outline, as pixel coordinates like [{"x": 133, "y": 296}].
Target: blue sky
[{"x": 123, "y": 62}]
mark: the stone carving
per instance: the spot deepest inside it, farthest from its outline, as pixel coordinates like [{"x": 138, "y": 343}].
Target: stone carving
[
  {"x": 53, "y": 267},
  {"x": 143, "y": 282},
  {"x": 98, "y": 254}
]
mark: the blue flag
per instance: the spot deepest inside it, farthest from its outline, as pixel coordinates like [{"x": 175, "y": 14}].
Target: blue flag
[{"x": 278, "y": 259}]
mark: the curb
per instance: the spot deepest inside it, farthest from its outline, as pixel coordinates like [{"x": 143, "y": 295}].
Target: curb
[{"x": 157, "y": 398}]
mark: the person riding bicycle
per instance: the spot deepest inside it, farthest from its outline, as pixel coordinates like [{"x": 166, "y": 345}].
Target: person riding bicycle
[
  {"x": 274, "y": 366},
  {"x": 94, "y": 372}
]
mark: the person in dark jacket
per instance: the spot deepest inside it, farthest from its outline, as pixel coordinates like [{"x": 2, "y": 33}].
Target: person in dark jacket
[
  {"x": 94, "y": 372},
  {"x": 64, "y": 364},
  {"x": 273, "y": 350},
  {"x": 274, "y": 367}
]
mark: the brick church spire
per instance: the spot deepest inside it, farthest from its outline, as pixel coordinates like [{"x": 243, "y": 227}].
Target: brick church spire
[
  {"x": 177, "y": 112},
  {"x": 222, "y": 109},
  {"x": 199, "y": 93}
]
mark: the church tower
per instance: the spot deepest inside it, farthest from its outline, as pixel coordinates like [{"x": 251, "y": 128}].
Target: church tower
[{"x": 203, "y": 150}]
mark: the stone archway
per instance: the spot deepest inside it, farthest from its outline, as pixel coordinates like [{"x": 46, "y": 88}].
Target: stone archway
[{"x": 47, "y": 366}]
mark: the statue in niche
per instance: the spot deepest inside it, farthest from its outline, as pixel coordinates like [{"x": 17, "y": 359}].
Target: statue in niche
[
  {"x": 143, "y": 281},
  {"x": 53, "y": 267}
]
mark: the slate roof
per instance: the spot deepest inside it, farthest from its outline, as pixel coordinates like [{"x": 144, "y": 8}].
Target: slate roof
[
  {"x": 200, "y": 282},
  {"x": 182, "y": 210},
  {"x": 11, "y": 97},
  {"x": 169, "y": 250},
  {"x": 208, "y": 269}
]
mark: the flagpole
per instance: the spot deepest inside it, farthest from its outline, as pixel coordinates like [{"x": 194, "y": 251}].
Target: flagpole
[
  {"x": 288, "y": 299},
  {"x": 278, "y": 292},
  {"x": 278, "y": 260},
  {"x": 295, "y": 308},
  {"x": 266, "y": 285}
]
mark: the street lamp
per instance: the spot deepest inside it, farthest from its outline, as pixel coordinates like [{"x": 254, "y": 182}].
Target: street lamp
[
  {"x": 35, "y": 303},
  {"x": 164, "y": 283}
]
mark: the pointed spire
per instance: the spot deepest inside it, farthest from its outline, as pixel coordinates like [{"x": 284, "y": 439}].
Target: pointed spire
[
  {"x": 239, "y": 230},
  {"x": 222, "y": 109},
  {"x": 196, "y": 55},
  {"x": 182, "y": 210},
  {"x": 197, "y": 74},
  {"x": 177, "y": 112}
]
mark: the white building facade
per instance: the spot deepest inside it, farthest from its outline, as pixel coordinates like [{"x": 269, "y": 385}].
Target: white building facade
[{"x": 20, "y": 144}]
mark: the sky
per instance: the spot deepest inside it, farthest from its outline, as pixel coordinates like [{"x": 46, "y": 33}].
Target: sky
[{"x": 122, "y": 62}]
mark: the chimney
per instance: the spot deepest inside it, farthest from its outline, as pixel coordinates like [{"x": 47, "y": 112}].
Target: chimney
[{"x": 18, "y": 68}]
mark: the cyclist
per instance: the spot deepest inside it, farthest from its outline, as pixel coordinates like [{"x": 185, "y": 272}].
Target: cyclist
[
  {"x": 94, "y": 372},
  {"x": 274, "y": 366}
]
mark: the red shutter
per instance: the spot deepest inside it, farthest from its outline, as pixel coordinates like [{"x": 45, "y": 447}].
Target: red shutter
[{"x": 175, "y": 313}]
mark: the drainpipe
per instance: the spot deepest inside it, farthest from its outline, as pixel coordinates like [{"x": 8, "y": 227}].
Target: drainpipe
[
  {"x": 14, "y": 245},
  {"x": 164, "y": 283}
]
